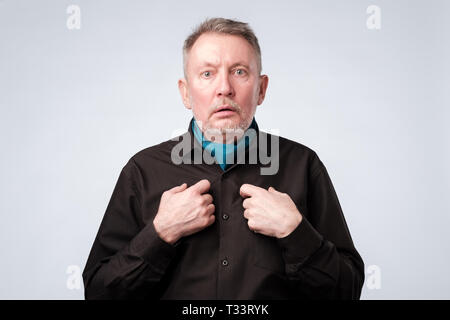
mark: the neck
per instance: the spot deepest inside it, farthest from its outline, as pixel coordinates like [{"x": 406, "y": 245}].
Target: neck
[
  {"x": 221, "y": 136},
  {"x": 224, "y": 136}
]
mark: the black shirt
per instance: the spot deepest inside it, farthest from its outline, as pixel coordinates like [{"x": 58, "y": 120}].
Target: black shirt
[{"x": 226, "y": 260}]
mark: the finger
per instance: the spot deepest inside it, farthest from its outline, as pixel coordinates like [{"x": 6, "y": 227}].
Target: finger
[
  {"x": 249, "y": 190},
  {"x": 211, "y": 220},
  {"x": 251, "y": 225},
  {"x": 247, "y": 214},
  {"x": 177, "y": 189},
  {"x": 201, "y": 187},
  {"x": 246, "y": 203},
  {"x": 207, "y": 198},
  {"x": 210, "y": 209}
]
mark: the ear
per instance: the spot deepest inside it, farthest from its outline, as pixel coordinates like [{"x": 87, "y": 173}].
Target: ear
[
  {"x": 184, "y": 92},
  {"x": 263, "y": 83}
]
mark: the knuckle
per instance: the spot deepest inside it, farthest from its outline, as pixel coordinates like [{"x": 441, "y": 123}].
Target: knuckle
[
  {"x": 205, "y": 211},
  {"x": 206, "y": 222}
]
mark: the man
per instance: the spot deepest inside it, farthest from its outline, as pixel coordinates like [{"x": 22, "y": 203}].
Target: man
[{"x": 180, "y": 228}]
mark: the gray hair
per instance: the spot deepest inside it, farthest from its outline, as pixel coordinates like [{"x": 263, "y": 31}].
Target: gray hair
[{"x": 225, "y": 26}]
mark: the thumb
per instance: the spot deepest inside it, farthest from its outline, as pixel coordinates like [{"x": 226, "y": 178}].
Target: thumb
[
  {"x": 273, "y": 190},
  {"x": 201, "y": 186},
  {"x": 177, "y": 189}
]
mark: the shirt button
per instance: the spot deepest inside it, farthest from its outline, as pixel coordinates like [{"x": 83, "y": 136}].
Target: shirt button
[
  {"x": 224, "y": 262},
  {"x": 225, "y": 216}
]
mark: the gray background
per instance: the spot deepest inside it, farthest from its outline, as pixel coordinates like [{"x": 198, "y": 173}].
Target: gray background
[{"x": 77, "y": 104}]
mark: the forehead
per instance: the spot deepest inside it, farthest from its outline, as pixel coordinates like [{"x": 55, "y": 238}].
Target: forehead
[{"x": 221, "y": 48}]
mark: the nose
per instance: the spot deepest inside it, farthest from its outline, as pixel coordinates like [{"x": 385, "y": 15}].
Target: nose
[{"x": 224, "y": 87}]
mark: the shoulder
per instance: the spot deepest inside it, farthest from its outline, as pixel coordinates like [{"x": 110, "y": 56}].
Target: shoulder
[
  {"x": 159, "y": 152},
  {"x": 153, "y": 155},
  {"x": 291, "y": 151}
]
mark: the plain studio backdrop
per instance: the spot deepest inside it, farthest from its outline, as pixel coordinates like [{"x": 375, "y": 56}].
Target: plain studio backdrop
[{"x": 366, "y": 87}]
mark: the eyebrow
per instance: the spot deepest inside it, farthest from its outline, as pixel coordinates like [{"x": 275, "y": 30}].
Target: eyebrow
[{"x": 210, "y": 64}]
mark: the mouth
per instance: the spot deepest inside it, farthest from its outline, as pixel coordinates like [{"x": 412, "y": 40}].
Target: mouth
[{"x": 225, "y": 110}]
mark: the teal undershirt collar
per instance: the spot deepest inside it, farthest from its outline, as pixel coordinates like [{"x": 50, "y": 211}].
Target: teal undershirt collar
[{"x": 219, "y": 150}]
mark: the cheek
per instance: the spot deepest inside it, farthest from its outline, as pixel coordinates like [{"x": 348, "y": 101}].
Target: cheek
[
  {"x": 201, "y": 100},
  {"x": 200, "y": 96},
  {"x": 248, "y": 95}
]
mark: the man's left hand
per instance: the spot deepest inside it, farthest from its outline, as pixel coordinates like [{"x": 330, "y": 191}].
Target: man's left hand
[{"x": 269, "y": 212}]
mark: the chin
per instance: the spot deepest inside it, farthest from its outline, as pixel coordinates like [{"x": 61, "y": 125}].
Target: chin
[{"x": 226, "y": 124}]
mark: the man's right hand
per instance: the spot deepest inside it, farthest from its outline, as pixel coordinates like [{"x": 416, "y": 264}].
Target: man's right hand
[{"x": 184, "y": 211}]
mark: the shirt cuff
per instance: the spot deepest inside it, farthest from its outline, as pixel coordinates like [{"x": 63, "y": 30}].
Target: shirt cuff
[
  {"x": 150, "y": 247},
  {"x": 301, "y": 243}
]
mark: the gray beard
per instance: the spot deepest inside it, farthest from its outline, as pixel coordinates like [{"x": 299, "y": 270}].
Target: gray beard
[{"x": 227, "y": 134}]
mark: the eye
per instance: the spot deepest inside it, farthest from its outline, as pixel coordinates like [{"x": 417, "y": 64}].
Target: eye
[
  {"x": 240, "y": 72},
  {"x": 206, "y": 74}
]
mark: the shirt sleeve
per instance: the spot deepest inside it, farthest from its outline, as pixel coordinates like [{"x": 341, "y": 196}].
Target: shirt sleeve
[
  {"x": 128, "y": 259},
  {"x": 321, "y": 260}
]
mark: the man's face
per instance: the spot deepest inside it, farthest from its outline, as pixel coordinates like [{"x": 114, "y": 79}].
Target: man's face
[{"x": 223, "y": 86}]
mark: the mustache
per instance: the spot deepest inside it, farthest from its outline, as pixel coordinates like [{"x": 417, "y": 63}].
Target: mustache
[{"x": 226, "y": 101}]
